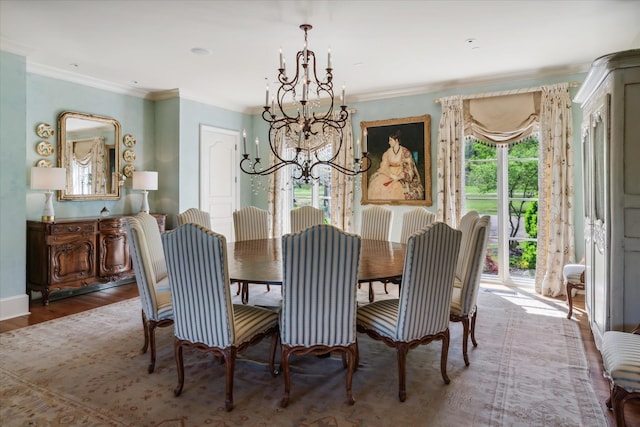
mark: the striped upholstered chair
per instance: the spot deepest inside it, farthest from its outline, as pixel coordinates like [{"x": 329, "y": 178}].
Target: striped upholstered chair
[
  {"x": 305, "y": 217},
  {"x": 467, "y": 280},
  {"x": 415, "y": 220},
  {"x": 376, "y": 225},
  {"x": 195, "y": 216},
  {"x": 205, "y": 318},
  {"x": 421, "y": 314},
  {"x": 250, "y": 223},
  {"x": 320, "y": 272},
  {"x": 412, "y": 221},
  {"x": 145, "y": 246}
]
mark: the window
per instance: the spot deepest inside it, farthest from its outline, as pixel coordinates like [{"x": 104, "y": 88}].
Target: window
[
  {"x": 502, "y": 181},
  {"x": 316, "y": 193}
]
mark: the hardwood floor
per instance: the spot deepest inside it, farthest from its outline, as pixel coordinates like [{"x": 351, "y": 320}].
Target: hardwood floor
[{"x": 76, "y": 304}]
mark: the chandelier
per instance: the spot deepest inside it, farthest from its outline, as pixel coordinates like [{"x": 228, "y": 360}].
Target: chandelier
[{"x": 298, "y": 133}]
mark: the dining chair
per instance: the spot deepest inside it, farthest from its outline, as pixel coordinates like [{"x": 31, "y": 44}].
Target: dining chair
[
  {"x": 205, "y": 318},
  {"x": 573, "y": 277},
  {"x": 305, "y": 217},
  {"x": 194, "y": 216},
  {"x": 250, "y": 223},
  {"x": 421, "y": 313},
  {"x": 376, "y": 225},
  {"x": 467, "y": 283},
  {"x": 412, "y": 221},
  {"x": 145, "y": 246},
  {"x": 318, "y": 316}
]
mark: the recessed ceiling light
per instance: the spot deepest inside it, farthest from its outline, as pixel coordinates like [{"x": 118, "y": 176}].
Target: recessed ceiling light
[
  {"x": 472, "y": 43},
  {"x": 200, "y": 51}
]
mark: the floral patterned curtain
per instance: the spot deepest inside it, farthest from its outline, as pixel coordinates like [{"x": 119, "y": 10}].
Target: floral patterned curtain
[
  {"x": 555, "y": 207},
  {"x": 450, "y": 161},
  {"x": 341, "y": 184}
]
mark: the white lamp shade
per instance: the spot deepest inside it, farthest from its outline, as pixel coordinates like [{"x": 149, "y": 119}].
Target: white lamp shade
[
  {"x": 145, "y": 180},
  {"x": 48, "y": 178}
]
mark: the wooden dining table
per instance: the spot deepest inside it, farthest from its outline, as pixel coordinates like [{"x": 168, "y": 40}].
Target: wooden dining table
[{"x": 260, "y": 261}]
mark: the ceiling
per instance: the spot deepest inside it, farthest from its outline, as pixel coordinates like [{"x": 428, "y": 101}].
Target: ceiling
[{"x": 379, "y": 48}]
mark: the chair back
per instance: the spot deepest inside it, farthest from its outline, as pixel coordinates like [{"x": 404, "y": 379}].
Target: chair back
[
  {"x": 320, "y": 272},
  {"x": 376, "y": 223},
  {"x": 195, "y": 216},
  {"x": 251, "y": 223},
  {"x": 145, "y": 246},
  {"x": 467, "y": 223},
  {"x": 305, "y": 217},
  {"x": 199, "y": 281},
  {"x": 415, "y": 220},
  {"x": 427, "y": 281},
  {"x": 473, "y": 265}
]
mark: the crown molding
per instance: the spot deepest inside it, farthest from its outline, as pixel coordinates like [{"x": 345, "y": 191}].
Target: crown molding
[{"x": 57, "y": 73}]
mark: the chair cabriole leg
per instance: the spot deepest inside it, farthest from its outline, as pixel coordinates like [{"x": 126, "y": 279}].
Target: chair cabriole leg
[
  {"x": 177, "y": 349},
  {"x": 445, "y": 355},
  {"x": 401, "y": 350}
]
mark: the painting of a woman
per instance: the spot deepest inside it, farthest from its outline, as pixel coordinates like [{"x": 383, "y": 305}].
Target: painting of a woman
[{"x": 397, "y": 178}]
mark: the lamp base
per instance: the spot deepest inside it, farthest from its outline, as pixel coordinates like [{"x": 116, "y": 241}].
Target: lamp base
[
  {"x": 145, "y": 202},
  {"x": 47, "y": 213}
]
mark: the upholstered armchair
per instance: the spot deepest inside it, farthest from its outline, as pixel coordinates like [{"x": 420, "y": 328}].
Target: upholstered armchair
[
  {"x": 305, "y": 217},
  {"x": 205, "y": 318},
  {"x": 250, "y": 223},
  {"x": 376, "y": 225},
  {"x": 194, "y": 216},
  {"x": 475, "y": 234},
  {"x": 318, "y": 316},
  {"x": 573, "y": 275},
  {"x": 145, "y": 246},
  {"x": 421, "y": 314}
]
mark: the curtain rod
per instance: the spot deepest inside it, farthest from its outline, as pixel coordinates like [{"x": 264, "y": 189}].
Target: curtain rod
[{"x": 505, "y": 92}]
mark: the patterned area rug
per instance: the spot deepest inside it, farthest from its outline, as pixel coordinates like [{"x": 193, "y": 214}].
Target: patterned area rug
[{"x": 528, "y": 370}]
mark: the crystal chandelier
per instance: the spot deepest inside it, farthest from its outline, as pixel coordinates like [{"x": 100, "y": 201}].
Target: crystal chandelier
[{"x": 298, "y": 133}]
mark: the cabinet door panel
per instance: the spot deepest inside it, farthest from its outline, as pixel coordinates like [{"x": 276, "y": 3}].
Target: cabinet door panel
[{"x": 73, "y": 261}]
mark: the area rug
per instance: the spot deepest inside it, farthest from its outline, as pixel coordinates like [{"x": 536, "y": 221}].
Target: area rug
[{"x": 86, "y": 369}]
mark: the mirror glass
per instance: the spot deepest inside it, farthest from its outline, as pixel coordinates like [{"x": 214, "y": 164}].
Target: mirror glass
[{"x": 89, "y": 148}]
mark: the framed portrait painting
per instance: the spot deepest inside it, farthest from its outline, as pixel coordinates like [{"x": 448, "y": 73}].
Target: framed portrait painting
[{"x": 400, "y": 155}]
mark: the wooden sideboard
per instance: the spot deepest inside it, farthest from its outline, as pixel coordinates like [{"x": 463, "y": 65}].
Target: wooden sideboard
[{"x": 74, "y": 253}]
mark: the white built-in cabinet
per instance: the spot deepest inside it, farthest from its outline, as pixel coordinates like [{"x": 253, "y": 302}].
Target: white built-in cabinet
[{"x": 610, "y": 100}]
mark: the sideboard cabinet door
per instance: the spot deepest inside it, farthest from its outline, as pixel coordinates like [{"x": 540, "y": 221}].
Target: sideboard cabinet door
[{"x": 114, "y": 260}]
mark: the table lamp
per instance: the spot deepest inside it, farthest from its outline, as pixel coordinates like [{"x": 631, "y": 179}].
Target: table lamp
[
  {"x": 145, "y": 180},
  {"x": 48, "y": 179}
]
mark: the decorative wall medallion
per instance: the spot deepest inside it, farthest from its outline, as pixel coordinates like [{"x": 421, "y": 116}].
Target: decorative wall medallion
[
  {"x": 44, "y": 130},
  {"x": 44, "y": 163},
  {"x": 129, "y": 156},
  {"x": 128, "y": 170},
  {"x": 44, "y": 148},
  {"x": 129, "y": 140}
]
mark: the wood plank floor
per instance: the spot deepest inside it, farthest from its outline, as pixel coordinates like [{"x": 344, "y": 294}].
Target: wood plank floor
[{"x": 76, "y": 304}]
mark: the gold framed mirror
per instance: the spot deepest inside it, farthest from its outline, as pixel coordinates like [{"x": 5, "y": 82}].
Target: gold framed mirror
[{"x": 89, "y": 148}]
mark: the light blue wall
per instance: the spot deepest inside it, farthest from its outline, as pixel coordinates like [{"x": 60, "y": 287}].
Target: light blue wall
[
  {"x": 13, "y": 175},
  {"x": 167, "y": 154},
  {"x": 48, "y": 97},
  {"x": 417, "y": 105},
  {"x": 167, "y": 134}
]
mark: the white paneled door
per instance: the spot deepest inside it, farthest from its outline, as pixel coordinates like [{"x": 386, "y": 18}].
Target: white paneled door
[{"x": 218, "y": 177}]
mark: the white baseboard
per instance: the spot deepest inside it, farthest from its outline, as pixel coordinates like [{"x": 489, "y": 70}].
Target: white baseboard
[{"x": 14, "y": 306}]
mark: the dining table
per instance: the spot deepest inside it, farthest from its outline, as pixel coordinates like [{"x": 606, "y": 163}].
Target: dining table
[{"x": 260, "y": 261}]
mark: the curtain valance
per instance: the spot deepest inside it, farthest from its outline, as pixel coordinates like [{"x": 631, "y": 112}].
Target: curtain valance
[{"x": 502, "y": 119}]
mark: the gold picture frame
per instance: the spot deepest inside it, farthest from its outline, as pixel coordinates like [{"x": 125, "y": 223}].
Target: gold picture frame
[{"x": 400, "y": 172}]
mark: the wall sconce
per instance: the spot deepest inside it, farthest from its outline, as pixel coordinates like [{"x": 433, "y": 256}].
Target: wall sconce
[
  {"x": 145, "y": 180},
  {"x": 48, "y": 179}
]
